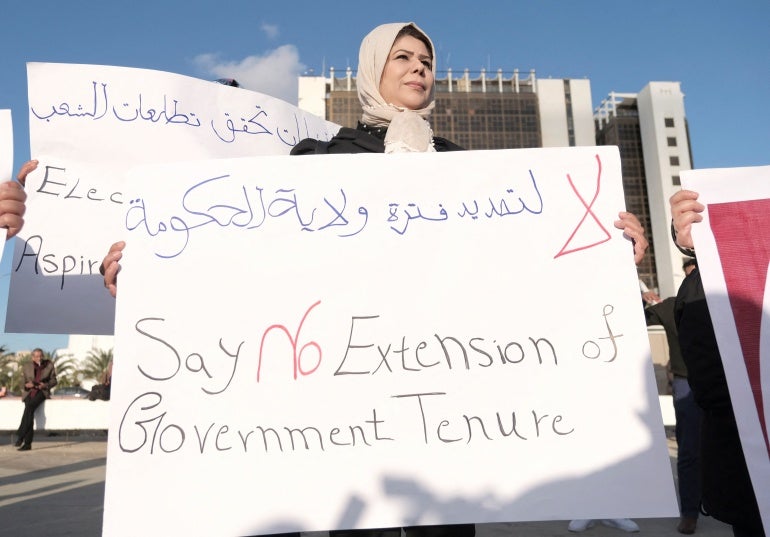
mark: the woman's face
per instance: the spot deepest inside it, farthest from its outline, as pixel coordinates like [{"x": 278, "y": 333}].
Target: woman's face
[{"x": 407, "y": 78}]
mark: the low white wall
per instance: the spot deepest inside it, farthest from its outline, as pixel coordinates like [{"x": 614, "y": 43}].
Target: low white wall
[{"x": 57, "y": 414}]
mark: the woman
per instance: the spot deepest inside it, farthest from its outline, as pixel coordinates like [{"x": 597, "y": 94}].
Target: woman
[
  {"x": 726, "y": 490},
  {"x": 395, "y": 82}
]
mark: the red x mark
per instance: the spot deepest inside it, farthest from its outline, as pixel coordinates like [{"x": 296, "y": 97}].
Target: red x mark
[{"x": 588, "y": 207}]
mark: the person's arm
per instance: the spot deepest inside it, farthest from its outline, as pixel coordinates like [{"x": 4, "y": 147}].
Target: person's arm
[
  {"x": 28, "y": 373},
  {"x": 649, "y": 297},
  {"x": 51, "y": 381},
  {"x": 633, "y": 230},
  {"x": 13, "y": 201}
]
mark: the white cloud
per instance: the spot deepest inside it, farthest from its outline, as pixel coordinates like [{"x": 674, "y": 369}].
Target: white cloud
[
  {"x": 270, "y": 30},
  {"x": 275, "y": 73}
]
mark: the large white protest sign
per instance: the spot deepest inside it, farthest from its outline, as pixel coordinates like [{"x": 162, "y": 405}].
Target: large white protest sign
[
  {"x": 733, "y": 245},
  {"x": 90, "y": 123},
  {"x": 351, "y": 341}
]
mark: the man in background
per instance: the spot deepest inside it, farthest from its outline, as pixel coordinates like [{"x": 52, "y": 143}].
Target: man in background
[
  {"x": 39, "y": 376},
  {"x": 686, "y": 410}
]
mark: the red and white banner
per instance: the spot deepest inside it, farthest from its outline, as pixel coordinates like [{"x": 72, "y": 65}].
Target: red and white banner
[{"x": 733, "y": 245}]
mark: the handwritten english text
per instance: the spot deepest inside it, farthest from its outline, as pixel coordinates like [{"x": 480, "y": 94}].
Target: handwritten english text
[
  {"x": 369, "y": 358},
  {"x": 56, "y": 183},
  {"x": 146, "y": 427},
  {"x": 33, "y": 258}
]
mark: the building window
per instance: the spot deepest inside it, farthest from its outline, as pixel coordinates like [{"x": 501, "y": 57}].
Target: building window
[
  {"x": 669, "y": 121},
  {"x": 675, "y": 180},
  {"x": 674, "y": 161},
  {"x": 671, "y": 141}
]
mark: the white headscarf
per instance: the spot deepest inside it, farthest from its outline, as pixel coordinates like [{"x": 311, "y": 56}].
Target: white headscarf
[{"x": 408, "y": 130}]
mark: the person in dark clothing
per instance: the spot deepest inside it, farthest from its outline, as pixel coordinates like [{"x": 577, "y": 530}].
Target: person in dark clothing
[
  {"x": 727, "y": 493},
  {"x": 362, "y": 139},
  {"x": 686, "y": 410},
  {"x": 39, "y": 376}
]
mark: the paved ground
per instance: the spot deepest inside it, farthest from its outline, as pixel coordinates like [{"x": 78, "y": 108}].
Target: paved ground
[{"x": 63, "y": 478}]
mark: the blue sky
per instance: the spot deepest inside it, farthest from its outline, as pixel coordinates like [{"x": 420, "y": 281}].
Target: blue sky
[{"x": 719, "y": 51}]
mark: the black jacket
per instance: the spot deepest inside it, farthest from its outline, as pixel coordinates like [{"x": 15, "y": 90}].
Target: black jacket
[
  {"x": 362, "y": 139},
  {"x": 727, "y": 493}
]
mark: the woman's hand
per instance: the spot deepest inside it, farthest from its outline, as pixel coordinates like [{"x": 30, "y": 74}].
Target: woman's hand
[
  {"x": 12, "y": 201},
  {"x": 633, "y": 230},
  {"x": 111, "y": 266},
  {"x": 685, "y": 211}
]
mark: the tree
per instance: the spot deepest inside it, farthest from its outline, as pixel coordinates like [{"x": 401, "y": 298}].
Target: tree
[
  {"x": 97, "y": 361},
  {"x": 66, "y": 373},
  {"x": 8, "y": 367}
]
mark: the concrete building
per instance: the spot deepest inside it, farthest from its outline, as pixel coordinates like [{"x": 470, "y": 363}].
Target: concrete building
[
  {"x": 650, "y": 128},
  {"x": 506, "y": 111},
  {"x": 482, "y": 111},
  {"x": 80, "y": 345}
]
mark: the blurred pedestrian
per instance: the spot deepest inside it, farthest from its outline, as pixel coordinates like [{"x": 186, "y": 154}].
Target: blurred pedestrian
[
  {"x": 103, "y": 389},
  {"x": 38, "y": 377},
  {"x": 686, "y": 410}
]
